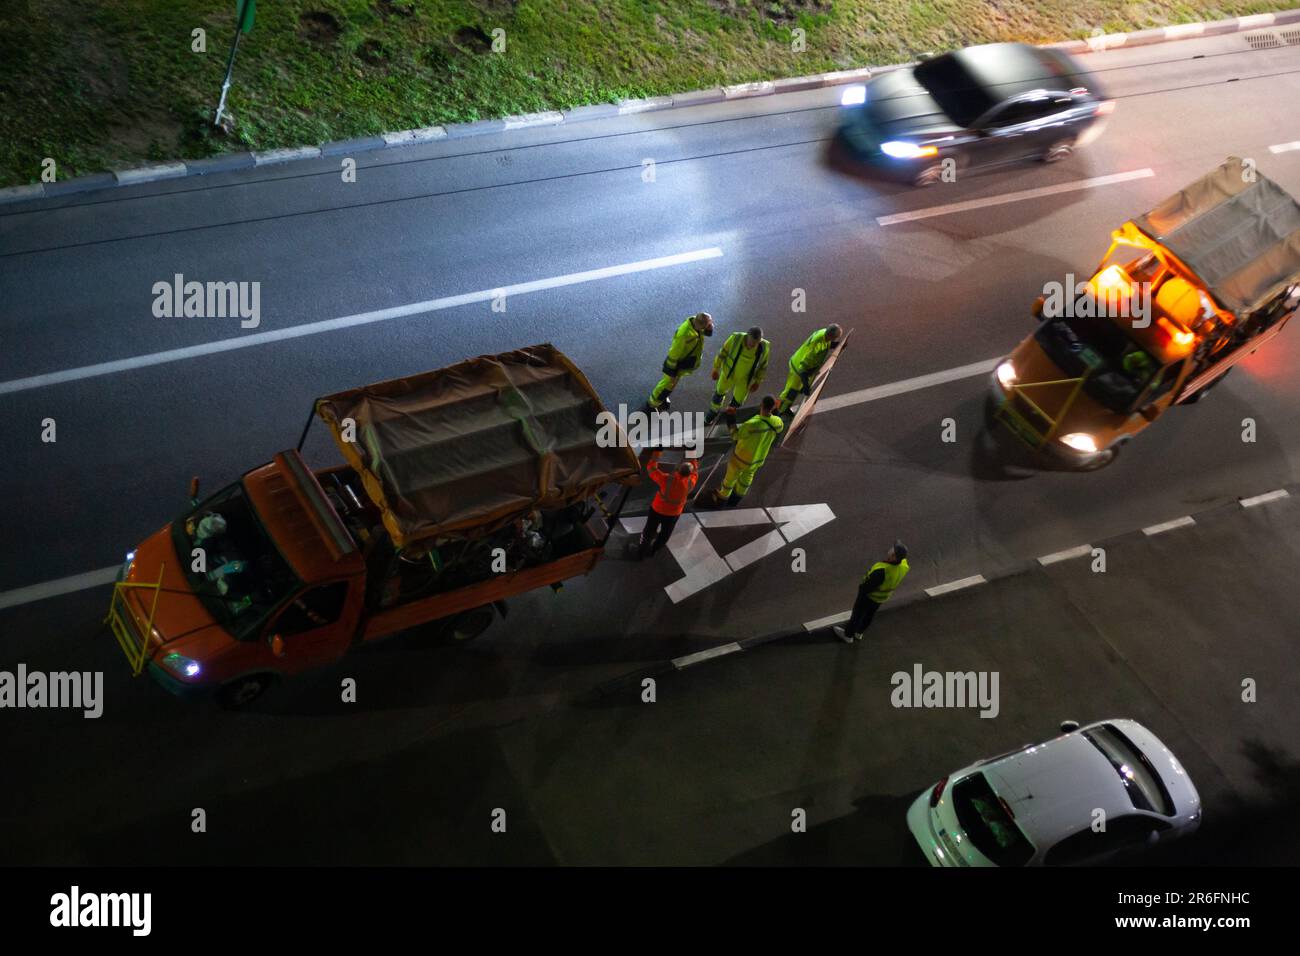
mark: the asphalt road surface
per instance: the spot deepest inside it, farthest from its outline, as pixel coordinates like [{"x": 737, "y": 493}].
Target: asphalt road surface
[{"x": 753, "y": 203}]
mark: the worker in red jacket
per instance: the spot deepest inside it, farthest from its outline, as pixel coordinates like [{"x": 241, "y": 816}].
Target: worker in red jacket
[{"x": 675, "y": 486}]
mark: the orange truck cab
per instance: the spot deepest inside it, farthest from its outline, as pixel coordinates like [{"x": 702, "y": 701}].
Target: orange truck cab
[
  {"x": 461, "y": 487},
  {"x": 1183, "y": 293}
]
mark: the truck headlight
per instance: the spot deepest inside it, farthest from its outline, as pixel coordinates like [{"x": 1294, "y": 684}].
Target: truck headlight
[
  {"x": 1080, "y": 441},
  {"x": 1007, "y": 374},
  {"x": 901, "y": 150},
  {"x": 182, "y": 666},
  {"x": 853, "y": 96}
]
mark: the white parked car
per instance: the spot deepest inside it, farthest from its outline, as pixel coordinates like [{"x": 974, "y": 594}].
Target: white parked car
[{"x": 1038, "y": 805}]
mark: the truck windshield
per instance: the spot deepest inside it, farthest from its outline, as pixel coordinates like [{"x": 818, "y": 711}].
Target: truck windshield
[
  {"x": 243, "y": 577},
  {"x": 1118, "y": 370}
]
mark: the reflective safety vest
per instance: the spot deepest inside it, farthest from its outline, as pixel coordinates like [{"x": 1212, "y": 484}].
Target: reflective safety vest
[
  {"x": 894, "y": 574},
  {"x": 754, "y": 438},
  {"x": 686, "y": 350},
  {"x": 674, "y": 489},
  {"x": 729, "y": 356},
  {"x": 812, "y": 354}
]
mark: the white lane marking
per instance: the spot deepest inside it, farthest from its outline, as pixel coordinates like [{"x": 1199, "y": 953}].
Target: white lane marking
[
  {"x": 1082, "y": 551},
  {"x": 756, "y": 550},
  {"x": 1285, "y": 147},
  {"x": 732, "y": 519},
  {"x": 956, "y": 585},
  {"x": 689, "y": 659},
  {"x": 1266, "y": 496},
  {"x": 828, "y": 621},
  {"x": 969, "y": 204},
  {"x": 907, "y": 385},
  {"x": 1164, "y": 526},
  {"x": 49, "y": 589},
  {"x": 350, "y": 321},
  {"x": 795, "y": 521}
]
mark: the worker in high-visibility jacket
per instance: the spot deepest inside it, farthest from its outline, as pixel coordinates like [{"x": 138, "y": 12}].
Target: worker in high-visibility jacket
[
  {"x": 684, "y": 356},
  {"x": 739, "y": 369},
  {"x": 805, "y": 363},
  {"x": 877, "y": 585},
  {"x": 675, "y": 484},
  {"x": 751, "y": 442}
]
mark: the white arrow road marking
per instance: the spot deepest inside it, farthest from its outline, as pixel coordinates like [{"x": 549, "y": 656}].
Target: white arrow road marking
[{"x": 703, "y": 566}]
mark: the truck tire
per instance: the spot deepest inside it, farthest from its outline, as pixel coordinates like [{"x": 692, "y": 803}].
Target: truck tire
[
  {"x": 242, "y": 691},
  {"x": 467, "y": 625},
  {"x": 1192, "y": 400},
  {"x": 1103, "y": 458}
]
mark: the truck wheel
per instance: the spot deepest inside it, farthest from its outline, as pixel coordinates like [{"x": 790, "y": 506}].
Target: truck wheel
[
  {"x": 1205, "y": 391},
  {"x": 243, "y": 691},
  {"x": 468, "y": 625},
  {"x": 1102, "y": 459}
]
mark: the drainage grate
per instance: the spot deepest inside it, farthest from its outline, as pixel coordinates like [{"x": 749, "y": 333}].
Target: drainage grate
[
  {"x": 1291, "y": 36},
  {"x": 1263, "y": 41}
]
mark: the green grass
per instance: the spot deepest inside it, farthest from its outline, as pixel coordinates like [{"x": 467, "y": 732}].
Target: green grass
[{"x": 112, "y": 83}]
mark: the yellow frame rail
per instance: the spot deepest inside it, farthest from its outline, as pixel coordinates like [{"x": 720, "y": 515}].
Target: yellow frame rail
[
  {"x": 117, "y": 621},
  {"x": 1007, "y": 411}
]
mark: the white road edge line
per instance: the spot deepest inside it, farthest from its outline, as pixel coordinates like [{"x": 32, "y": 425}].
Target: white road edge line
[
  {"x": 1082, "y": 551},
  {"x": 956, "y": 585},
  {"x": 49, "y": 589},
  {"x": 1164, "y": 526},
  {"x": 689, "y": 659},
  {"x": 969, "y": 204},
  {"x": 1266, "y": 496},
  {"x": 1284, "y": 147},
  {"x": 828, "y": 621},
  {"x": 349, "y": 321}
]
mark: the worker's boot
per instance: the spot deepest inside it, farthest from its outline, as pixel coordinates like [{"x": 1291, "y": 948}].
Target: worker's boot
[{"x": 733, "y": 500}]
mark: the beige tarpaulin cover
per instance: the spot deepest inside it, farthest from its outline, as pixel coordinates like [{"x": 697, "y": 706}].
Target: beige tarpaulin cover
[
  {"x": 1241, "y": 238},
  {"x": 464, "y": 449}
]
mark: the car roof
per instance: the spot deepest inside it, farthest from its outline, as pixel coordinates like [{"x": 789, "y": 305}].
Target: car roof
[
  {"x": 1053, "y": 788},
  {"x": 1009, "y": 69}
]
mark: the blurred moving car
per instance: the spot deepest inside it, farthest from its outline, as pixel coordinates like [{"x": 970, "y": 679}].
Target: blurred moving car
[
  {"x": 1037, "y": 805},
  {"x": 981, "y": 106}
]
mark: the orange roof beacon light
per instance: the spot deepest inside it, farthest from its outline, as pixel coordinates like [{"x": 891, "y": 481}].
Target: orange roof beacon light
[{"x": 1201, "y": 281}]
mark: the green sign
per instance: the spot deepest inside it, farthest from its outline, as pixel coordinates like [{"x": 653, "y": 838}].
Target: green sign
[{"x": 244, "y": 12}]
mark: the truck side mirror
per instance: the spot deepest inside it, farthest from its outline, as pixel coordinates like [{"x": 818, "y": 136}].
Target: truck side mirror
[
  {"x": 1037, "y": 307},
  {"x": 277, "y": 645},
  {"x": 1069, "y": 726},
  {"x": 194, "y": 490},
  {"x": 1149, "y": 412}
]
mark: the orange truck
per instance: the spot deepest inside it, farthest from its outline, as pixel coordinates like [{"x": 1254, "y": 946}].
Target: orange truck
[
  {"x": 1183, "y": 293},
  {"x": 459, "y": 488}
]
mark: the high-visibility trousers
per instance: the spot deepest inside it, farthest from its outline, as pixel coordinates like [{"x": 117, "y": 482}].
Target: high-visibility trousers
[
  {"x": 665, "y": 387},
  {"x": 740, "y": 475},
  {"x": 738, "y": 390},
  {"x": 794, "y": 384}
]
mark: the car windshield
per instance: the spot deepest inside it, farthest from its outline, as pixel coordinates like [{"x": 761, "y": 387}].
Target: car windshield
[
  {"x": 1140, "y": 779},
  {"x": 1117, "y": 370},
  {"x": 242, "y": 577},
  {"x": 954, "y": 89},
  {"x": 988, "y": 823}
]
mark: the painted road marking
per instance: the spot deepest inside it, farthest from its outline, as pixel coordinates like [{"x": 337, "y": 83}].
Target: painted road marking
[
  {"x": 828, "y": 621},
  {"x": 970, "y": 204},
  {"x": 956, "y": 585},
  {"x": 1265, "y": 497},
  {"x": 49, "y": 589},
  {"x": 877, "y": 392},
  {"x": 350, "y": 321},
  {"x": 712, "y": 652},
  {"x": 1082, "y": 551},
  {"x": 1284, "y": 147},
  {"x": 1161, "y": 528},
  {"x": 703, "y": 567}
]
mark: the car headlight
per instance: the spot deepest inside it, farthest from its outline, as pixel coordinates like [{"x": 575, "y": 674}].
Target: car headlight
[
  {"x": 1007, "y": 374},
  {"x": 901, "y": 150},
  {"x": 853, "y": 96},
  {"x": 1080, "y": 441},
  {"x": 182, "y": 666}
]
